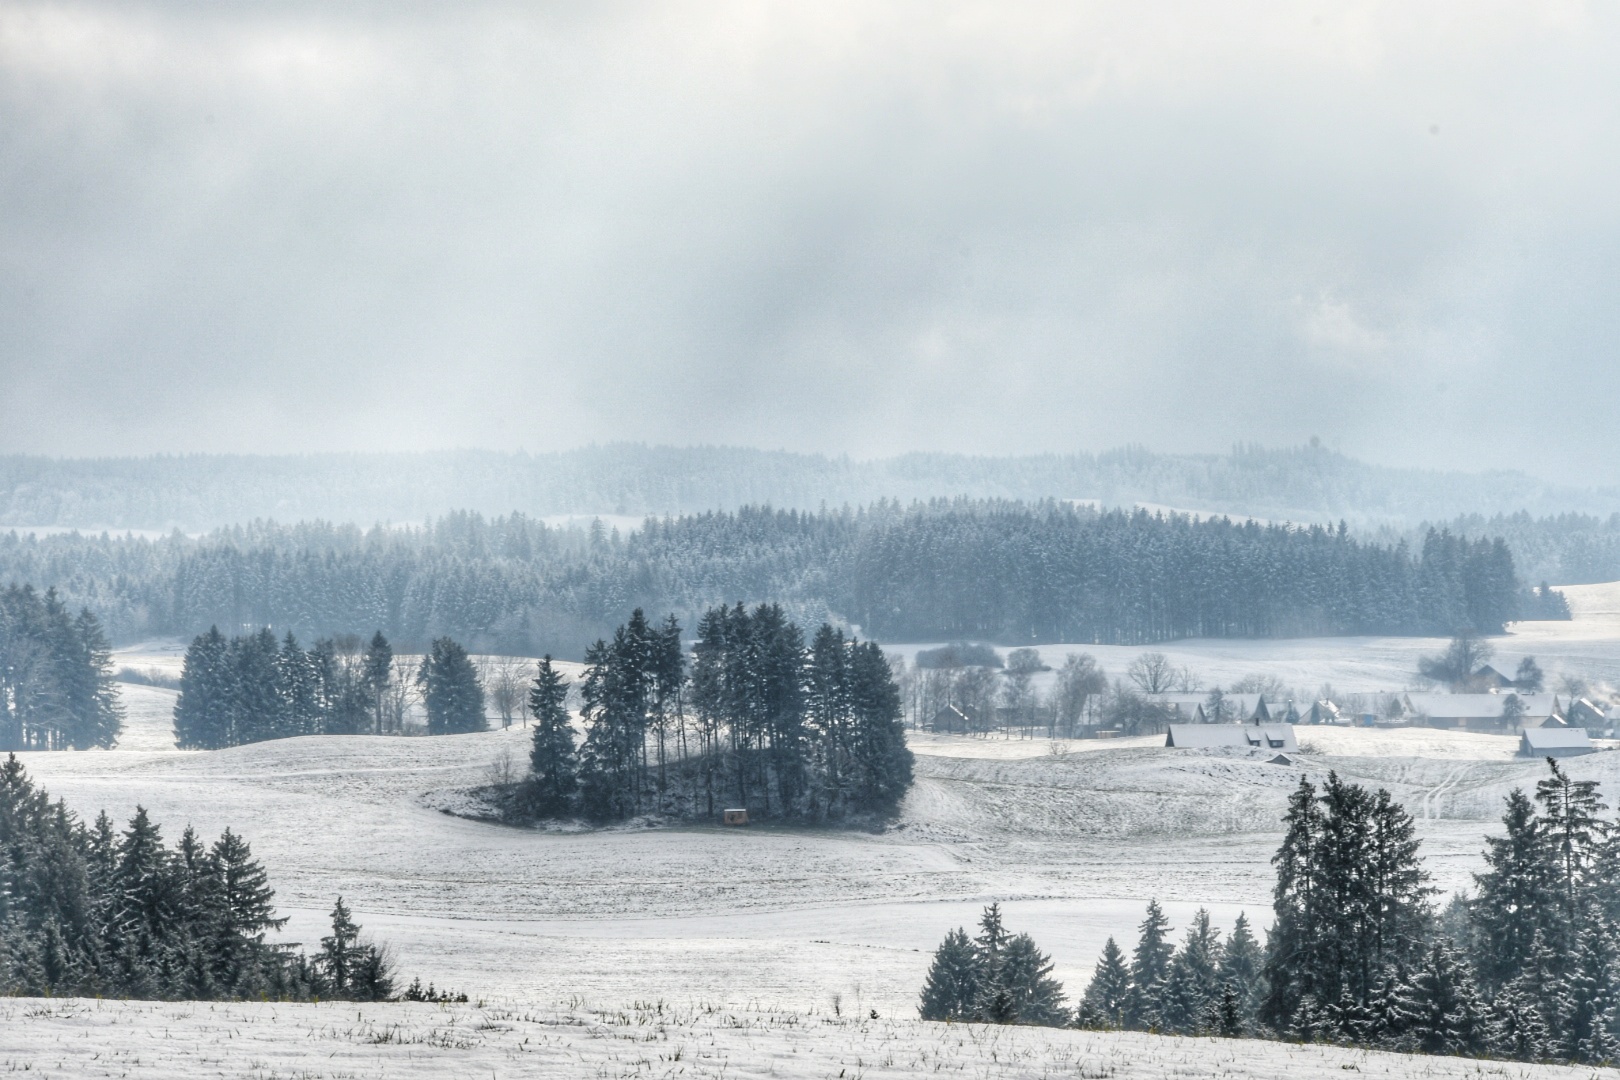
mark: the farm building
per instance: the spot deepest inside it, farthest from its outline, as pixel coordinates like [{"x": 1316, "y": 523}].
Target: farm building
[
  {"x": 1482, "y": 712},
  {"x": 1554, "y": 742},
  {"x": 1242, "y": 736}
]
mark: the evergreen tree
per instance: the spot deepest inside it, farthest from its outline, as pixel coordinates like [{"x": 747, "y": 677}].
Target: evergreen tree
[
  {"x": 1105, "y": 1000},
  {"x": 452, "y": 693},
  {"x": 881, "y": 762},
  {"x": 1241, "y": 966},
  {"x": 1192, "y": 983},
  {"x": 1585, "y": 1006},
  {"x": 1024, "y": 977},
  {"x": 1150, "y": 967},
  {"x": 341, "y": 956},
  {"x": 1575, "y": 836},
  {"x": 954, "y": 982},
  {"x": 203, "y": 713},
  {"x": 553, "y": 759},
  {"x": 377, "y": 670},
  {"x": 1515, "y": 895},
  {"x": 1439, "y": 1011}
]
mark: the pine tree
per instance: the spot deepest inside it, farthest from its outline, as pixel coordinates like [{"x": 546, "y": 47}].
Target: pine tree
[
  {"x": 954, "y": 982},
  {"x": 880, "y": 760},
  {"x": 1515, "y": 895},
  {"x": 1575, "y": 835},
  {"x": 377, "y": 670},
  {"x": 1192, "y": 983},
  {"x": 1440, "y": 1012},
  {"x": 994, "y": 1003},
  {"x": 1150, "y": 966},
  {"x": 451, "y": 691},
  {"x": 203, "y": 712},
  {"x": 1104, "y": 1003},
  {"x": 1025, "y": 978},
  {"x": 1515, "y": 1028},
  {"x": 1241, "y": 962},
  {"x": 341, "y": 954},
  {"x": 1586, "y": 999},
  {"x": 553, "y": 759}
]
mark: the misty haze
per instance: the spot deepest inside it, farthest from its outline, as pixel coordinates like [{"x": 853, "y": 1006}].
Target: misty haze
[{"x": 840, "y": 540}]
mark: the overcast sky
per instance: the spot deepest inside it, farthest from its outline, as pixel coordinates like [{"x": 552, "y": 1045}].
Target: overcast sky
[{"x": 849, "y": 227}]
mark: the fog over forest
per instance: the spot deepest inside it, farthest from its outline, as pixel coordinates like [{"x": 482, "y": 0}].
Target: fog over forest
[{"x": 197, "y": 492}]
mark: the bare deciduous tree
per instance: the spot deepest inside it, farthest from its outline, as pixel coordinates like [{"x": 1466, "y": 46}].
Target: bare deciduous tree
[
  {"x": 1152, "y": 673},
  {"x": 506, "y": 679}
]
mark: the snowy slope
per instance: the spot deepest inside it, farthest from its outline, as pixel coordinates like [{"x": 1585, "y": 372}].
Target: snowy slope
[{"x": 59, "y": 1039}]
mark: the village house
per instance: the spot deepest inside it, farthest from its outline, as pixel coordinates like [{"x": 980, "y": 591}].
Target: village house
[
  {"x": 1482, "y": 712},
  {"x": 1556, "y": 742}
]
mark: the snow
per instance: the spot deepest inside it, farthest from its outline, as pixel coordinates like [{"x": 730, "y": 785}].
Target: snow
[
  {"x": 1588, "y": 645},
  {"x": 191, "y": 1041},
  {"x": 769, "y": 925}
]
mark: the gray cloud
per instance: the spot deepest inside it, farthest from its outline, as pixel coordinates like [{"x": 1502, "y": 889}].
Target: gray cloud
[{"x": 842, "y": 227}]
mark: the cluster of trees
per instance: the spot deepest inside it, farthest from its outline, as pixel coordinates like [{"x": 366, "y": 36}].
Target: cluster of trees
[
  {"x": 56, "y": 684},
  {"x": 90, "y": 911},
  {"x": 759, "y": 721},
  {"x": 1524, "y": 969},
  {"x": 1012, "y": 572},
  {"x": 994, "y": 978},
  {"x": 253, "y": 687}
]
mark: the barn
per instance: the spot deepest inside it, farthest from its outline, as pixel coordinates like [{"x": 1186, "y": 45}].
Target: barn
[{"x": 1545, "y": 742}]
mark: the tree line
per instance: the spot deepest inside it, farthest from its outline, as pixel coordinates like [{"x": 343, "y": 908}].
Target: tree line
[
  {"x": 1012, "y": 572},
  {"x": 56, "y": 684},
  {"x": 756, "y": 719},
  {"x": 253, "y": 687},
  {"x": 197, "y": 492},
  {"x": 1526, "y": 968},
  {"x": 88, "y": 911}
]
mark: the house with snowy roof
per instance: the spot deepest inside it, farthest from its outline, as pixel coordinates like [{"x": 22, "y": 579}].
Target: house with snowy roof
[
  {"x": 1483, "y": 712},
  {"x": 1555, "y": 742},
  {"x": 1240, "y": 736}
]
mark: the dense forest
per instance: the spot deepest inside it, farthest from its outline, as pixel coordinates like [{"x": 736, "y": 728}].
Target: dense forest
[
  {"x": 1524, "y": 968},
  {"x": 1009, "y": 572},
  {"x": 198, "y": 492},
  {"x": 56, "y": 685},
  {"x": 86, "y": 910},
  {"x": 763, "y": 721}
]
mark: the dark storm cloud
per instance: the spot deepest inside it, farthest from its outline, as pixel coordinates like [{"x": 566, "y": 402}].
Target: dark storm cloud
[{"x": 980, "y": 227}]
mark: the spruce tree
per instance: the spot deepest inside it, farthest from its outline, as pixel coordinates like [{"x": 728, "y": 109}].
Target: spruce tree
[
  {"x": 553, "y": 759},
  {"x": 1103, "y": 1005},
  {"x": 452, "y": 693},
  {"x": 203, "y": 712},
  {"x": 1439, "y": 1010},
  {"x": 952, "y": 988},
  {"x": 1192, "y": 983},
  {"x": 341, "y": 955},
  {"x": 1241, "y": 962},
  {"x": 1025, "y": 978},
  {"x": 1515, "y": 895},
  {"x": 377, "y": 669},
  {"x": 1150, "y": 966}
]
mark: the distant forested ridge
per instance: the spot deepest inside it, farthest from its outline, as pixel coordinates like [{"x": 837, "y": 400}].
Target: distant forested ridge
[
  {"x": 198, "y": 492},
  {"x": 948, "y": 570},
  {"x": 1565, "y": 549}
]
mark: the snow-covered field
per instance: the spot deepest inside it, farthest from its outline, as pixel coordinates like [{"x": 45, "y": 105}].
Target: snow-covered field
[
  {"x": 1072, "y": 837},
  {"x": 87, "y": 1039},
  {"x": 1588, "y": 646}
]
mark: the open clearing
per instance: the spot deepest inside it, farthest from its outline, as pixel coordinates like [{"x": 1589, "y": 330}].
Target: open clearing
[{"x": 1073, "y": 838}]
